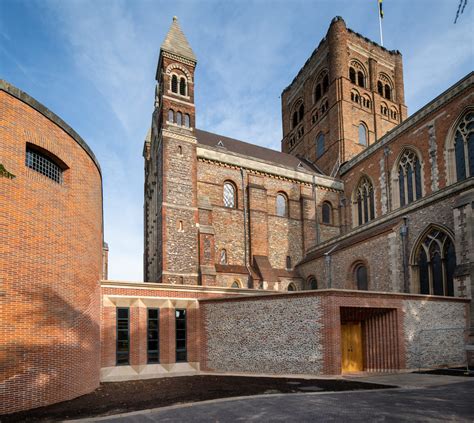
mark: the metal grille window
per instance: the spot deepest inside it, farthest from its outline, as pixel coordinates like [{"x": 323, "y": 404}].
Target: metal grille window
[
  {"x": 181, "y": 350},
  {"x": 123, "y": 336},
  {"x": 229, "y": 195},
  {"x": 44, "y": 165},
  {"x": 153, "y": 335}
]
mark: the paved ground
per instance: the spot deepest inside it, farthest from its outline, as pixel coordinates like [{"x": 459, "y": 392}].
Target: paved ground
[
  {"x": 408, "y": 380},
  {"x": 448, "y": 402}
]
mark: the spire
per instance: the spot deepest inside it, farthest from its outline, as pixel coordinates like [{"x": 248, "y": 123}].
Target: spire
[{"x": 176, "y": 42}]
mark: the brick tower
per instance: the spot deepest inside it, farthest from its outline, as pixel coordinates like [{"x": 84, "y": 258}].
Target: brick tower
[
  {"x": 348, "y": 95},
  {"x": 170, "y": 210}
]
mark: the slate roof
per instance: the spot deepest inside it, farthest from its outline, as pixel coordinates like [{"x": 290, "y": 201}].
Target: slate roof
[
  {"x": 176, "y": 42},
  {"x": 246, "y": 149}
]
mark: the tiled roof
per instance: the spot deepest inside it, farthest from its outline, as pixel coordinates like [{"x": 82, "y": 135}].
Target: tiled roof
[
  {"x": 176, "y": 42},
  {"x": 252, "y": 150}
]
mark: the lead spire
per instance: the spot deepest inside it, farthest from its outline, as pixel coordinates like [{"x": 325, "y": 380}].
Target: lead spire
[{"x": 176, "y": 42}]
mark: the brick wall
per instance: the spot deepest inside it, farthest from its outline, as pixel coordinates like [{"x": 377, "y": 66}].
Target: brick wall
[{"x": 50, "y": 261}]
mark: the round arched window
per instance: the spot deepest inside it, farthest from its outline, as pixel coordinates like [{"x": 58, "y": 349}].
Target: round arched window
[
  {"x": 361, "y": 277},
  {"x": 327, "y": 212},
  {"x": 229, "y": 195},
  {"x": 312, "y": 283},
  {"x": 362, "y": 134},
  {"x": 281, "y": 205},
  {"x": 320, "y": 145}
]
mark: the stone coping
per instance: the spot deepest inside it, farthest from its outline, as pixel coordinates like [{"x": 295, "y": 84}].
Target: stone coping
[
  {"x": 30, "y": 101},
  {"x": 185, "y": 288},
  {"x": 332, "y": 292},
  {"x": 437, "y": 102}
]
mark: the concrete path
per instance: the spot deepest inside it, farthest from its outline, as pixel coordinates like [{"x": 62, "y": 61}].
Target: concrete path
[
  {"x": 442, "y": 403},
  {"x": 408, "y": 380}
]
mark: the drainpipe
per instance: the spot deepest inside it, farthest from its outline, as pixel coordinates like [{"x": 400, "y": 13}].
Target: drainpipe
[
  {"x": 318, "y": 235},
  {"x": 246, "y": 255},
  {"x": 328, "y": 260},
  {"x": 404, "y": 236}
]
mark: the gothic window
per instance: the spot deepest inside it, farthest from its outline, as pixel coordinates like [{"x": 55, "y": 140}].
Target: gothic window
[
  {"x": 301, "y": 112},
  {"x": 229, "y": 195},
  {"x": 361, "y": 279},
  {"x": 327, "y": 213},
  {"x": 288, "y": 262},
  {"x": 436, "y": 260},
  {"x": 464, "y": 147},
  {"x": 223, "y": 256},
  {"x": 235, "y": 284},
  {"x": 187, "y": 121},
  {"x": 182, "y": 86},
  {"x": 352, "y": 75},
  {"x": 362, "y": 134},
  {"x": 312, "y": 283},
  {"x": 281, "y": 205},
  {"x": 360, "y": 79},
  {"x": 325, "y": 83},
  {"x": 320, "y": 145},
  {"x": 179, "y": 118},
  {"x": 380, "y": 88},
  {"x": 317, "y": 93},
  {"x": 387, "y": 92},
  {"x": 291, "y": 287},
  {"x": 409, "y": 177},
  {"x": 364, "y": 201},
  {"x": 171, "y": 116},
  {"x": 174, "y": 84}
]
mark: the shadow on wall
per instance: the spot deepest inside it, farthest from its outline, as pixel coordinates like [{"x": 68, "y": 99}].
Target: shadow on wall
[{"x": 52, "y": 352}]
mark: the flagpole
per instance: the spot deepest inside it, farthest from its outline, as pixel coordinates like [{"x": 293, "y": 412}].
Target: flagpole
[{"x": 380, "y": 24}]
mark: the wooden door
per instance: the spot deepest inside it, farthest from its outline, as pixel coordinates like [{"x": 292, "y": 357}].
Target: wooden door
[{"x": 351, "y": 347}]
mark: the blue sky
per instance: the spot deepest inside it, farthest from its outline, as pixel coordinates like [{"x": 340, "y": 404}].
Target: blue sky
[{"x": 93, "y": 63}]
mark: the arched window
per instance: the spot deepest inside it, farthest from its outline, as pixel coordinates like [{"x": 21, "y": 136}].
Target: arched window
[
  {"x": 464, "y": 147},
  {"x": 180, "y": 226},
  {"x": 179, "y": 118},
  {"x": 380, "y": 88},
  {"x": 288, "y": 262},
  {"x": 229, "y": 195},
  {"x": 360, "y": 79},
  {"x": 362, "y": 134},
  {"x": 325, "y": 83},
  {"x": 295, "y": 119},
  {"x": 436, "y": 260},
  {"x": 409, "y": 177},
  {"x": 281, "y": 205},
  {"x": 301, "y": 112},
  {"x": 327, "y": 213},
  {"x": 223, "y": 256},
  {"x": 312, "y": 283},
  {"x": 235, "y": 284},
  {"x": 352, "y": 75},
  {"x": 361, "y": 279},
  {"x": 187, "y": 121},
  {"x": 364, "y": 201},
  {"x": 387, "y": 92},
  {"x": 320, "y": 145},
  {"x": 171, "y": 116},
  {"x": 180, "y": 150},
  {"x": 174, "y": 84},
  {"x": 317, "y": 93},
  {"x": 182, "y": 86},
  {"x": 291, "y": 287}
]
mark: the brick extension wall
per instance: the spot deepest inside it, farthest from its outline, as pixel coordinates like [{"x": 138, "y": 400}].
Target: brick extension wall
[{"x": 50, "y": 261}]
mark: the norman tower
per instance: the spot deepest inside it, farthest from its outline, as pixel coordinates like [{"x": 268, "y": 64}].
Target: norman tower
[
  {"x": 170, "y": 168},
  {"x": 348, "y": 95}
]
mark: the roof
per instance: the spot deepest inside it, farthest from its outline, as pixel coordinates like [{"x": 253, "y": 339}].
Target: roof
[
  {"x": 176, "y": 42},
  {"x": 244, "y": 148}
]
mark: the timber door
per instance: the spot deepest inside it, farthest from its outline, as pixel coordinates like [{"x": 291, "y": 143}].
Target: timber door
[{"x": 351, "y": 347}]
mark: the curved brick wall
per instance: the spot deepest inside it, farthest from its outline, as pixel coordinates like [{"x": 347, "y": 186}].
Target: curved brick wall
[{"x": 50, "y": 261}]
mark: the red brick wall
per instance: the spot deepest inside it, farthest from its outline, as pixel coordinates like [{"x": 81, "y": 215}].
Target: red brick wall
[{"x": 50, "y": 265}]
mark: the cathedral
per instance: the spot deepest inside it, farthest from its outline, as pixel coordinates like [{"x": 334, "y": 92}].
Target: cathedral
[{"x": 350, "y": 250}]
